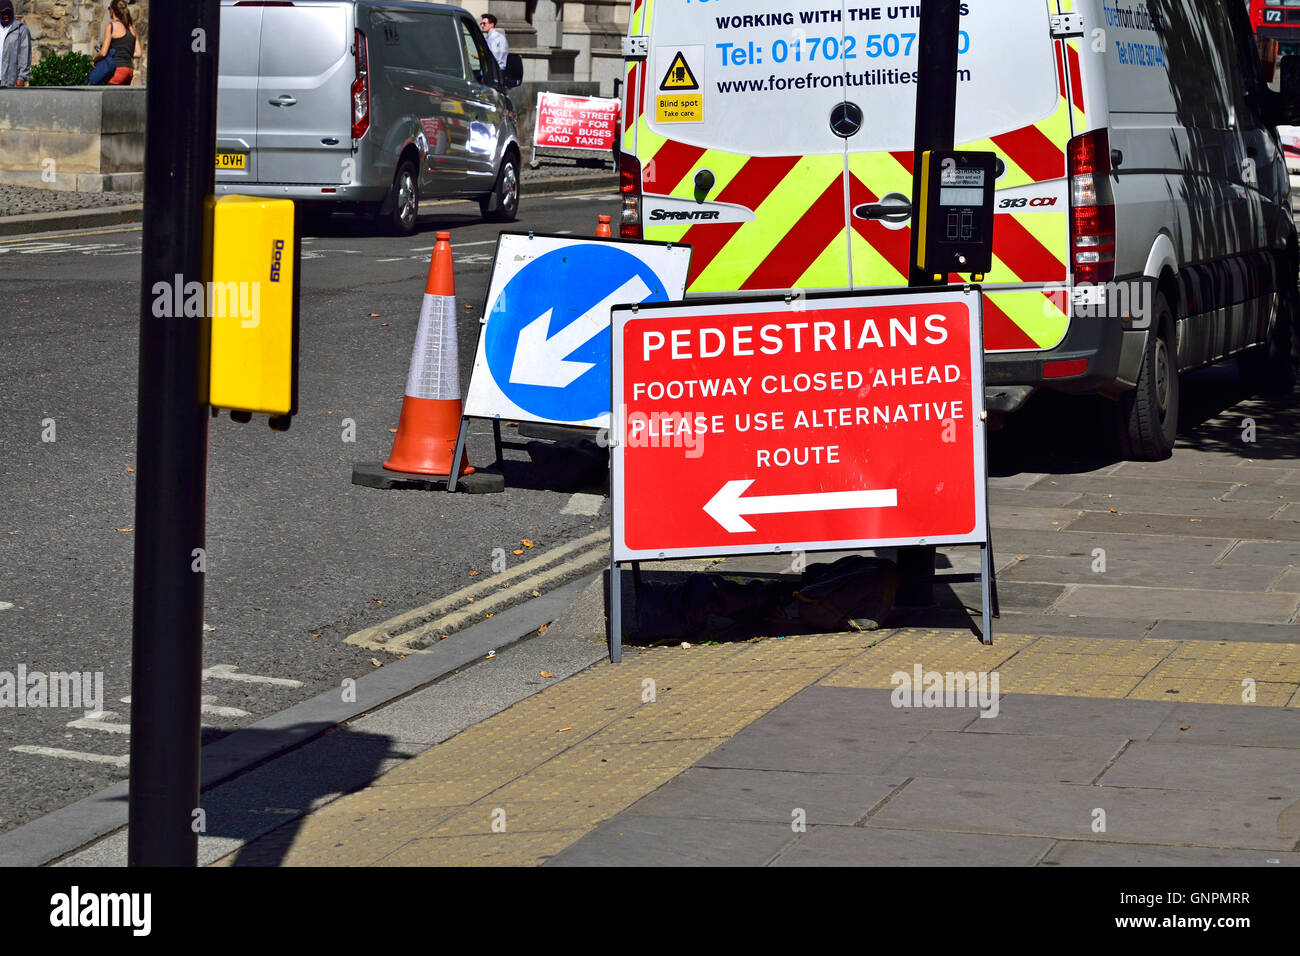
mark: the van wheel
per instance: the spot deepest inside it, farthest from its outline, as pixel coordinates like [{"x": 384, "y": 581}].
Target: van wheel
[
  {"x": 1148, "y": 415},
  {"x": 406, "y": 200},
  {"x": 1270, "y": 370},
  {"x": 502, "y": 203}
]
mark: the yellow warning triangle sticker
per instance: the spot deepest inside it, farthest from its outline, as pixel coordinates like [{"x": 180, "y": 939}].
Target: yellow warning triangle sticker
[{"x": 679, "y": 76}]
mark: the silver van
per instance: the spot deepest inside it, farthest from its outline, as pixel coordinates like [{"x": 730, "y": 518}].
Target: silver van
[{"x": 364, "y": 106}]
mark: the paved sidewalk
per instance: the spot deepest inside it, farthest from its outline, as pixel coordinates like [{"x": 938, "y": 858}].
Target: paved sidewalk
[
  {"x": 25, "y": 209},
  {"x": 1146, "y": 711}
]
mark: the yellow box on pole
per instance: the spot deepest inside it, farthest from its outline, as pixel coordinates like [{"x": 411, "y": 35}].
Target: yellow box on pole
[{"x": 253, "y": 307}]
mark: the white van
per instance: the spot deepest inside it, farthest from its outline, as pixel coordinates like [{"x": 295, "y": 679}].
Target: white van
[
  {"x": 366, "y": 106},
  {"x": 1134, "y": 139}
]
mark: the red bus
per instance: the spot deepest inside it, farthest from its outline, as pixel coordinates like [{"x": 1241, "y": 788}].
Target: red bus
[{"x": 1277, "y": 20}]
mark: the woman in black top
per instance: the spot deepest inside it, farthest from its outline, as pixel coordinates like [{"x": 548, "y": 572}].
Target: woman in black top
[{"x": 119, "y": 50}]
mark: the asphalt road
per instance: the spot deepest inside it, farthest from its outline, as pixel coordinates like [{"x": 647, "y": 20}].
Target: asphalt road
[{"x": 298, "y": 557}]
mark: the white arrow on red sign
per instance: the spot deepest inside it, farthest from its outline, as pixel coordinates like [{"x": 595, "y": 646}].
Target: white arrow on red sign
[
  {"x": 540, "y": 360},
  {"x": 727, "y": 506}
]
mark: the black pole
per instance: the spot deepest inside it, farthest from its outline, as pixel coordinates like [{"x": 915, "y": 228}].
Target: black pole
[
  {"x": 936, "y": 118},
  {"x": 936, "y": 99},
  {"x": 172, "y": 436}
]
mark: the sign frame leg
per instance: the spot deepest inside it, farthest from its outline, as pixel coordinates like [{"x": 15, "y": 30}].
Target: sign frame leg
[
  {"x": 458, "y": 456},
  {"x": 614, "y": 617}
]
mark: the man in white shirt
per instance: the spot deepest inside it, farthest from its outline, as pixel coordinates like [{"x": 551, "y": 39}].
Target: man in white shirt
[{"x": 496, "y": 40}]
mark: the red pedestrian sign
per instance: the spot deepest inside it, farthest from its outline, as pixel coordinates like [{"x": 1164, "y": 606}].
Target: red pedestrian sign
[{"x": 810, "y": 423}]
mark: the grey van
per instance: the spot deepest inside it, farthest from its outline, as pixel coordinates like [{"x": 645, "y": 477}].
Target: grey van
[{"x": 364, "y": 106}]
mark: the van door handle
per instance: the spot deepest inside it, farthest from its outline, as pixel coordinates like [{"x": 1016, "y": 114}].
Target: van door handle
[
  {"x": 893, "y": 208},
  {"x": 284, "y": 99}
]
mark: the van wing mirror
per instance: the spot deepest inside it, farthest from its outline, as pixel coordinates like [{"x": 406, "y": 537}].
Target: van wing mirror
[
  {"x": 1286, "y": 106},
  {"x": 514, "y": 70}
]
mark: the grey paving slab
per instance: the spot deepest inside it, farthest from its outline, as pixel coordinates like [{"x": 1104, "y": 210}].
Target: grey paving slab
[
  {"x": 1031, "y": 498},
  {"x": 1011, "y": 595},
  {"x": 1028, "y": 714},
  {"x": 1024, "y": 479},
  {"x": 834, "y": 730},
  {"x": 1187, "y": 605},
  {"x": 1256, "y": 529},
  {"x": 869, "y": 846},
  {"x": 1145, "y": 486},
  {"x": 1265, "y": 491},
  {"x": 973, "y": 755},
  {"x": 772, "y": 796},
  {"x": 1277, "y": 553},
  {"x": 1031, "y": 519},
  {"x": 1289, "y": 581},
  {"x": 1199, "y": 507},
  {"x": 1200, "y": 467},
  {"x": 1131, "y": 547},
  {"x": 1073, "y": 853},
  {"x": 1224, "y": 631},
  {"x": 1244, "y": 725},
  {"x": 628, "y": 840},
  {"x": 1061, "y": 810},
  {"x": 1121, "y": 569},
  {"x": 1070, "y": 625},
  {"x": 1271, "y": 771}
]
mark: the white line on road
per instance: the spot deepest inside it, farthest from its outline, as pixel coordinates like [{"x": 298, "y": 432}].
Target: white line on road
[
  {"x": 5, "y": 605},
  {"x": 100, "y": 723},
  {"x": 231, "y": 672},
  {"x": 207, "y": 707},
  {"x": 123, "y": 761},
  {"x": 583, "y": 504}
]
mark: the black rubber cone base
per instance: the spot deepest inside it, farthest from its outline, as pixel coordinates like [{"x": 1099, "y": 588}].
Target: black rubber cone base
[{"x": 373, "y": 474}]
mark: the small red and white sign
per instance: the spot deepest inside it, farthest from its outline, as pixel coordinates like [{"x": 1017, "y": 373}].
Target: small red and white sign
[
  {"x": 575, "y": 122},
  {"x": 826, "y": 422}
]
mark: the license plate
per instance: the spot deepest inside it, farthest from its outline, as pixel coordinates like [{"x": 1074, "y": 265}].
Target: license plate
[{"x": 231, "y": 160}]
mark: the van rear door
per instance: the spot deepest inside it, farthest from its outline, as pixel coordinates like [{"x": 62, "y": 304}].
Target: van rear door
[
  {"x": 241, "y": 32},
  {"x": 304, "y": 94},
  {"x": 778, "y": 143}
]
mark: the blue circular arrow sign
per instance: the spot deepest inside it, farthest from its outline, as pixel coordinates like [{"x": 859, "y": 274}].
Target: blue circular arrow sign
[{"x": 547, "y": 340}]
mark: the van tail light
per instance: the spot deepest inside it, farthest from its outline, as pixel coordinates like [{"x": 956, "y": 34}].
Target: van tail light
[
  {"x": 1092, "y": 208},
  {"x": 629, "y": 184},
  {"x": 361, "y": 89}
]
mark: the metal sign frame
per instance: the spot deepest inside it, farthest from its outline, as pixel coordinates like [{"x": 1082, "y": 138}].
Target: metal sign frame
[{"x": 972, "y": 296}]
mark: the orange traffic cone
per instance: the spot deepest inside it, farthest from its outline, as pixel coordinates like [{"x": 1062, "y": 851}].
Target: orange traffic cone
[
  {"x": 432, "y": 407},
  {"x": 602, "y": 228}
]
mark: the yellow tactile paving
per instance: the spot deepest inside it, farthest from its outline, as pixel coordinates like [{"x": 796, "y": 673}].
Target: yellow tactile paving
[
  {"x": 575, "y": 754},
  {"x": 494, "y": 849},
  {"x": 1207, "y": 691}
]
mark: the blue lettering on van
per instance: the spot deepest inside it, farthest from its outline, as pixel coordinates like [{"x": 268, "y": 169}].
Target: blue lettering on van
[{"x": 277, "y": 253}]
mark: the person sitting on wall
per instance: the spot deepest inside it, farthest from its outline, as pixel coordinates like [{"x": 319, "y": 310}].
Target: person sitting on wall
[
  {"x": 115, "y": 64},
  {"x": 15, "y": 48}
]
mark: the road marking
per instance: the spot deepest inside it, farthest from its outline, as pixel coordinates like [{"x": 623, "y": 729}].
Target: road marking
[
  {"x": 406, "y": 633},
  {"x": 231, "y": 672},
  {"x": 207, "y": 707},
  {"x": 122, "y": 762},
  {"x": 67, "y": 235},
  {"x": 5, "y": 605},
  {"x": 100, "y": 722},
  {"x": 583, "y": 504},
  {"x": 459, "y": 245}
]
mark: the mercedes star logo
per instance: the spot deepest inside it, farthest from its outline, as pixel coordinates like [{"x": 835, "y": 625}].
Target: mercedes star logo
[{"x": 846, "y": 119}]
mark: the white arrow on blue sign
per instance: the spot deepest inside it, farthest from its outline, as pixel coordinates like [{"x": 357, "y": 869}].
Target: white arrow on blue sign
[{"x": 545, "y": 352}]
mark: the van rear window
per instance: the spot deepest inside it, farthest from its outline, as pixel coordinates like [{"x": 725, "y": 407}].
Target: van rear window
[
  {"x": 303, "y": 41},
  {"x": 764, "y": 82}
]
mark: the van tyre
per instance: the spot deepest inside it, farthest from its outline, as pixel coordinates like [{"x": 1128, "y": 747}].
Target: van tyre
[
  {"x": 502, "y": 203},
  {"x": 405, "y": 208},
  {"x": 1148, "y": 415},
  {"x": 1270, "y": 370}
]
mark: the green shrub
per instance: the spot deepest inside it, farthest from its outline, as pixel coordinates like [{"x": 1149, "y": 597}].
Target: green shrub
[{"x": 62, "y": 69}]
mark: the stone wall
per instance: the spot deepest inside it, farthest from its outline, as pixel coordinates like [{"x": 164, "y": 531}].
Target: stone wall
[
  {"x": 87, "y": 138},
  {"x": 77, "y": 26}
]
